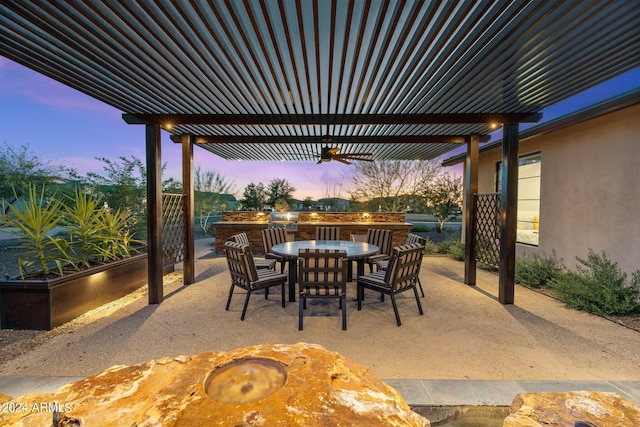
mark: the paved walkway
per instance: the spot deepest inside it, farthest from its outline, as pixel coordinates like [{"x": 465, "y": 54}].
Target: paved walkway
[{"x": 467, "y": 349}]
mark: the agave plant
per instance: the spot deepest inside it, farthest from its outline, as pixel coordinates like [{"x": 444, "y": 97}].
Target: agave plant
[{"x": 34, "y": 220}]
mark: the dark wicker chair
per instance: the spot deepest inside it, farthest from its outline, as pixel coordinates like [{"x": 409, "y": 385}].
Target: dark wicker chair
[
  {"x": 411, "y": 239},
  {"x": 270, "y": 237},
  {"x": 382, "y": 239},
  {"x": 245, "y": 275},
  {"x": 243, "y": 239},
  {"x": 401, "y": 275},
  {"x": 322, "y": 273},
  {"x": 327, "y": 233}
]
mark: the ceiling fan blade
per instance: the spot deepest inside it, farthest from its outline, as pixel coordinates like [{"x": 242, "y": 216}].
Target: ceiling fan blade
[
  {"x": 342, "y": 160},
  {"x": 333, "y": 151},
  {"x": 355, "y": 154},
  {"x": 363, "y": 159},
  {"x": 358, "y": 156}
]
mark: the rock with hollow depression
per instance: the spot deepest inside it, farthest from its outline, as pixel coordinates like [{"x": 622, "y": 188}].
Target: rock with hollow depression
[
  {"x": 573, "y": 409},
  {"x": 265, "y": 385}
]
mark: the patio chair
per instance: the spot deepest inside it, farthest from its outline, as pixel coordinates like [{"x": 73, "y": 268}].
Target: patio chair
[
  {"x": 382, "y": 239},
  {"x": 322, "y": 273},
  {"x": 245, "y": 275},
  {"x": 401, "y": 275},
  {"x": 270, "y": 237},
  {"x": 243, "y": 239},
  {"x": 327, "y": 233},
  {"x": 411, "y": 239}
]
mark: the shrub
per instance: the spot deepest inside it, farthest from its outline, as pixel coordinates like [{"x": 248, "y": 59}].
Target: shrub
[
  {"x": 421, "y": 228},
  {"x": 430, "y": 248},
  {"x": 93, "y": 232},
  {"x": 35, "y": 219},
  {"x": 456, "y": 250},
  {"x": 537, "y": 270},
  {"x": 83, "y": 218},
  {"x": 116, "y": 237},
  {"x": 600, "y": 287},
  {"x": 445, "y": 246}
]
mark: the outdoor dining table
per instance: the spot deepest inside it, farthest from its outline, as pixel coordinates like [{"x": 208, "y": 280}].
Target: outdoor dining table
[{"x": 356, "y": 251}]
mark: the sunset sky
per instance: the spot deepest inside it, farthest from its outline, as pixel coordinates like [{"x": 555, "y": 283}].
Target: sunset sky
[{"x": 70, "y": 128}]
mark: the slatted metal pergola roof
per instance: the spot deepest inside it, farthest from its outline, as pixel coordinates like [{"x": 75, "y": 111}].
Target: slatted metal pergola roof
[
  {"x": 280, "y": 79},
  {"x": 272, "y": 80}
]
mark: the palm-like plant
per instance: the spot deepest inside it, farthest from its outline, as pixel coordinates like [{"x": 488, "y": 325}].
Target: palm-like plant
[
  {"x": 84, "y": 219},
  {"x": 34, "y": 220},
  {"x": 116, "y": 239},
  {"x": 94, "y": 233}
]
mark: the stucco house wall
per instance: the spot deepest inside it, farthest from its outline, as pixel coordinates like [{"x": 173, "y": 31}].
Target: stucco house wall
[{"x": 590, "y": 188}]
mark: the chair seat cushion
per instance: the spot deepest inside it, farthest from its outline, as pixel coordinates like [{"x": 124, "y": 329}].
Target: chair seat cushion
[
  {"x": 264, "y": 263},
  {"x": 377, "y": 257},
  {"x": 268, "y": 277},
  {"x": 323, "y": 291},
  {"x": 271, "y": 255},
  {"x": 382, "y": 264},
  {"x": 374, "y": 281}
]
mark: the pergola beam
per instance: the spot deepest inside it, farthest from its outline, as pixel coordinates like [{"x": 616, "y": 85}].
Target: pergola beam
[
  {"x": 329, "y": 119},
  {"x": 373, "y": 139}
]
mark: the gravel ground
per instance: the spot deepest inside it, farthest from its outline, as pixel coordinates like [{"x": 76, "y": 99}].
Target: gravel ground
[{"x": 17, "y": 342}]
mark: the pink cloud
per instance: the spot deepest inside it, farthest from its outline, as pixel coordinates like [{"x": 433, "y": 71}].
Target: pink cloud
[{"x": 21, "y": 81}]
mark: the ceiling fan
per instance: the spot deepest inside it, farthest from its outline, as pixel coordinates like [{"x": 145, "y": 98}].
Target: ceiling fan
[{"x": 331, "y": 153}]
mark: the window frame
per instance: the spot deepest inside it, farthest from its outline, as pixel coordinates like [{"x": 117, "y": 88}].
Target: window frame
[{"x": 525, "y": 160}]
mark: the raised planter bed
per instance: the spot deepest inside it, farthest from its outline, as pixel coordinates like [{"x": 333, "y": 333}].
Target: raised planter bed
[{"x": 45, "y": 304}]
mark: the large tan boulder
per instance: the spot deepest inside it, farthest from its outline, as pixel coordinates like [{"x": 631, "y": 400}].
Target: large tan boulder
[
  {"x": 571, "y": 409},
  {"x": 265, "y": 385}
]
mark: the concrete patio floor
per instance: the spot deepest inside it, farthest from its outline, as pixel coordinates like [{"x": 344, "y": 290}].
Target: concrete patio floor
[{"x": 467, "y": 348}]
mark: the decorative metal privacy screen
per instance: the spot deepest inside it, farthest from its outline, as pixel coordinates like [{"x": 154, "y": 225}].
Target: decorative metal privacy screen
[
  {"x": 173, "y": 229},
  {"x": 487, "y": 208}
]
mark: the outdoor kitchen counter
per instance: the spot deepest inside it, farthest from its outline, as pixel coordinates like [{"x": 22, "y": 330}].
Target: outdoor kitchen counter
[
  {"x": 305, "y": 231},
  {"x": 223, "y": 230}
]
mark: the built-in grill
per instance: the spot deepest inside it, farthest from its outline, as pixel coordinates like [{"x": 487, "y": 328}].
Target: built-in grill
[{"x": 286, "y": 220}]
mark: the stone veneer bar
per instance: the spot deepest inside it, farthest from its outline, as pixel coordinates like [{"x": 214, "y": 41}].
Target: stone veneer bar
[{"x": 253, "y": 222}]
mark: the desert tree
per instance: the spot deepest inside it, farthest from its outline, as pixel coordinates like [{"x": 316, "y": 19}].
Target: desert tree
[
  {"x": 254, "y": 196},
  {"x": 21, "y": 167},
  {"x": 307, "y": 203},
  {"x": 332, "y": 193},
  {"x": 210, "y": 188},
  {"x": 122, "y": 185},
  {"x": 391, "y": 182},
  {"x": 279, "y": 189},
  {"x": 443, "y": 196}
]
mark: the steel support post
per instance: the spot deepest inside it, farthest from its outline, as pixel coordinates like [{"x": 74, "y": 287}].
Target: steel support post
[
  {"x": 154, "y": 213},
  {"x": 188, "y": 205},
  {"x": 470, "y": 191},
  {"x": 508, "y": 213}
]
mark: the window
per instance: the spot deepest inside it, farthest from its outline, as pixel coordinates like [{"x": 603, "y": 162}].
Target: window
[{"x": 529, "y": 168}]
